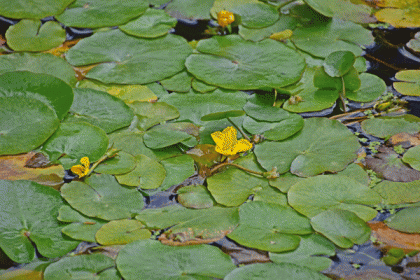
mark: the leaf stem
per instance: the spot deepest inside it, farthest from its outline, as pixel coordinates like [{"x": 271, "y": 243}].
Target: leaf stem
[
  {"x": 109, "y": 154},
  {"x": 343, "y": 95},
  {"x": 237, "y": 166},
  {"x": 239, "y": 129}
]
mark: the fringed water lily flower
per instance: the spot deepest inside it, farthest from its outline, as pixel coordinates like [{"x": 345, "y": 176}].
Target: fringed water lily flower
[
  {"x": 227, "y": 144},
  {"x": 81, "y": 170},
  {"x": 224, "y": 18}
]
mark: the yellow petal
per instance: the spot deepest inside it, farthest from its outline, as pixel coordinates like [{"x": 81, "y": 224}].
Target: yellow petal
[
  {"x": 78, "y": 170},
  {"x": 85, "y": 162},
  {"x": 242, "y": 146}
]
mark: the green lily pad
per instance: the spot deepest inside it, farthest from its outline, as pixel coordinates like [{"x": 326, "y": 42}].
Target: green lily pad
[
  {"x": 153, "y": 23},
  {"x": 356, "y": 10},
  {"x": 384, "y": 127},
  {"x": 398, "y": 192},
  {"x": 257, "y": 34},
  {"x": 189, "y": 9},
  {"x": 249, "y": 65},
  {"x": 180, "y": 82},
  {"x": 271, "y": 195},
  {"x": 196, "y": 197},
  {"x": 405, "y": 220},
  {"x": 164, "y": 135},
  {"x": 148, "y": 174},
  {"x": 82, "y": 267},
  {"x": 222, "y": 115},
  {"x": 100, "y": 109},
  {"x": 23, "y": 223},
  {"x": 309, "y": 196},
  {"x": 76, "y": 140},
  {"x": 306, "y": 254},
  {"x": 52, "y": 91},
  {"x": 163, "y": 57},
  {"x": 312, "y": 150},
  {"x": 100, "y": 196},
  {"x": 350, "y": 80},
  {"x": 256, "y": 15},
  {"x": 82, "y": 227},
  {"x": 371, "y": 87},
  {"x": 119, "y": 164},
  {"x": 26, "y": 124},
  {"x": 127, "y": 93},
  {"x": 269, "y": 227},
  {"x": 414, "y": 44},
  {"x": 150, "y": 114},
  {"x": 410, "y": 84},
  {"x": 265, "y": 113},
  {"x": 194, "y": 262},
  {"x": 262, "y": 271},
  {"x": 285, "y": 181},
  {"x": 43, "y": 63},
  {"x": 412, "y": 157},
  {"x": 336, "y": 35},
  {"x": 399, "y": 13},
  {"x": 29, "y": 35},
  {"x": 178, "y": 169},
  {"x": 33, "y": 8},
  {"x": 193, "y": 106},
  {"x": 342, "y": 227},
  {"x": 98, "y": 13},
  {"x": 121, "y": 232},
  {"x": 228, "y": 5},
  {"x": 233, "y": 186},
  {"x": 201, "y": 86},
  {"x": 337, "y": 64}
]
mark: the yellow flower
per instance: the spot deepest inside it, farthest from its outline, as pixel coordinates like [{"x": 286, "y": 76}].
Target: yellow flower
[
  {"x": 224, "y": 18},
  {"x": 227, "y": 144},
  {"x": 81, "y": 170}
]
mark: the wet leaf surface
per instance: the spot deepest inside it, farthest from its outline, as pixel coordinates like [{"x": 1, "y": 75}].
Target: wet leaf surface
[{"x": 409, "y": 82}]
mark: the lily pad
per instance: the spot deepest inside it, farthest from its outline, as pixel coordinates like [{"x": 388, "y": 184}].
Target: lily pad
[
  {"x": 350, "y": 80},
  {"x": 193, "y": 106},
  {"x": 371, "y": 87},
  {"x": 228, "y": 5},
  {"x": 98, "y": 13},
  {"x": 43, "y": 63},
  {"x": 398, "y": 192},
  {"x": 412, "y": 157},
  {"x": 314, "y": 195},
  {"x": 414, "y": 44},
  {"x": 256, "y": 15},
  {"x": 52, "y": 91},
  {"x": 253, "y": 34},
  {"x": 121, "y": 232},
  {"x": 262, "y": 271},
  {"x": 82, "y": 267},
  {"x": 76, "y": 140},
  {"x": 249, "y": 65},
  {"x": 271, "y": 195},
  {"x": 153, "y": 23},
  {"x": 22, "y": 223},
  {"x": 265, "y": 113},
  {"x": 342, "y": 227},
  {"x": 384, "y": 127},
  {"x": 233, "y": 186},
  {"x": 150, "y": 114},
  {"x": 201, "y": 86},
  {"x": 162, "y": 57},
  {"x": 121, "y": 163},
  {"x": 33, "y": 8},
  {"x": 29, "y": 35},
  {"x": 178, "y": 169},
  {"x": 405, "y": 220},
  {"x": 164, "y": 135},
  {"x": 26, "y": 124},
  {"x": 399, "y": 13},
  {"x": 100, "y": 196},
  {"x": 189, "y": 9},
  {"x": 285, "y": 181},
  {"x": 410, "y": 82},
  {"x": 222, "y": 115},
  {"x": 312, "y": 150},
  {"x": 99, "y": 108},
  {"x": 307, "y": 254},
  {"x": 180, "y": 82},
  {"x": 148, "y": 174},
  {"x": 82, "y": 227},
  {"x": 196, "y": 197},
  {"x": 269, "y": 227},
  {"x": 336, "y": 35},
  {"x": 201, "y": 261},
  {"x": 337, "y": 64}
]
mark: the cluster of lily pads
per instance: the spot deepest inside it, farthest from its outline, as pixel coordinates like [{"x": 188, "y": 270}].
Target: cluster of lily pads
[{"x": 150, "y": 110}]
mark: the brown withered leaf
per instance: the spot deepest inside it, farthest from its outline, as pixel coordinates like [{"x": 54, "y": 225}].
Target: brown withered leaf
[
  {"x": 388, "y": 165},
  {"x": 82, "y": 71},
  {"x": 15, "y": 168},
  {"x": 406, "y": 140},
  {"x": 394, "y": 238}
]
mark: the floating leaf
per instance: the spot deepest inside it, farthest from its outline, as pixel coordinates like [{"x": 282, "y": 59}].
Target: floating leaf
[
  {"x": 121, "y": 232},
  {"x": 153, "y": 23},
  {"x": 342, "y": 227},
  {"x": 180, "y": 82},
  {"x": 285, "y": 181},
  {"x": 25, "y": 124},
  {"x": 398, "y": 192},
  {"x": 309, "y": 196},
  {"x": 101, "y": 109},
  {"x": 189, "y": 9},
  {"x": 253, "y": 34},
  {"x": 337, "y": 64},
  {"x": 100, "y": 196},
  {"x": 336, "y": 35},
  {"x": 81, "y": 227},
  {"x": 269, "y": 227},
  {"x": 150, "y": 114},
  {"x": 256, "y": 15},
  {"x": 222, "y": 115},
  {"x": 307, "y": 254},
  {"x": 384, "y": 127},
  {"x": 399, "y": 13},
  {"x": 121, "y": 163},
  {"x": 410, "y": 82},
  {"x": 412, "y": 157},
  {"x": 414, "y": 44},
  {"x": 312, "y": 150},
  {"x": 164, "y": 135},
  {"x": 43, "y": 63},
  {"x": 405, "y": 220},
  {"x": 249, "y": 65},
  {"x": 82, "y": 267},
  {"x": 23, "y": 223},
  {"x": 201, "y": 261},
  {"x": 228, "y": 5},
  {"x": 371, "y": 87},
  {"x": 76, "y": 140},
  {"x": 33, "y": 8},
  {"x": 178, "y": 169},
  {"x": 197, "y": 197},
  {"x": 162, "y": 57},
  {"x": 271, "y": 195}
]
